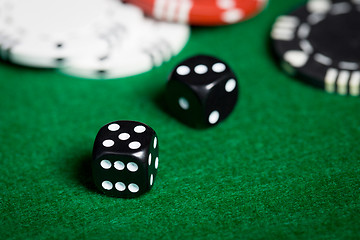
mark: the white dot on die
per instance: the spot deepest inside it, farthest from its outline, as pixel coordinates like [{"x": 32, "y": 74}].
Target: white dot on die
[
  {"x": 108, "y": 143},
  {"x": 218, "y": 67},
  {"x": 133, "y": 167},
  {"x": 230, "y": 85},
  {"x": 139, "y": 129},
  {"x": 214, "y": 117},
  {"x": 134, "y": 145},
  {"x": 151, "y": 179},
  {"x": 155, "y": 142},
  {"x": 124, "y": 136},
  {"x": 157, "y": 163},
  {"x": 184, "y": 103},
  {"x": 120, "y": 186},
  {"x": 133, "y": 187},
  {"x": 149, "y": 160},
  {"x": 106, "y": 164},
  {"x": 107, "y": 185},
  {"x": 119, "y": 165},
  {"x": 114, "y": 127},
  {"x": 183, "y": 70},
  {"x": 201, "y": 69}
]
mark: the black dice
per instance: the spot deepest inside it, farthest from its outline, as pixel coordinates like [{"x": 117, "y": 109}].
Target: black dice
[
  {"x": 125, "y": 159},
  {"x": 201, "y": 91}
]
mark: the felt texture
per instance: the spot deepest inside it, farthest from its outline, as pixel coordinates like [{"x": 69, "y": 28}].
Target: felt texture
[{"x": 284, "y": 165}]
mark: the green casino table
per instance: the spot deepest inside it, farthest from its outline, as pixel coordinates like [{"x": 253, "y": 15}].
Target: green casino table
[{"x": 284, "y": 165}]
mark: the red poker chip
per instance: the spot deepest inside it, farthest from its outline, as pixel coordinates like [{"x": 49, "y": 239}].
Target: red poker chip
[{"x": 201, "y": 12}]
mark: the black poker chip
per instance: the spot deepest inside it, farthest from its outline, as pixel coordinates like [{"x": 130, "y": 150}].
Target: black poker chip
[{"x": 320, "y": 44}]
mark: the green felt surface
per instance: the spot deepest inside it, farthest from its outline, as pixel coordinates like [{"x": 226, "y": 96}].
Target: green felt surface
[{"x": 285, "y": 165}]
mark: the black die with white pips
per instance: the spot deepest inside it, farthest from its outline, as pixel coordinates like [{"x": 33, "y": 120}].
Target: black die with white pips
[
  {"x": 202, "y": 91},
  {"x": 125, "y": 159}
]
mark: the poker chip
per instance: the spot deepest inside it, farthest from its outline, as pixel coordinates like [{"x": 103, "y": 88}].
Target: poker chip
[
  {"x": 201, "y": 12},
  {"x": 135, "y": 55},
  {"x": 320, "y": 43},
  {"x": 85, "y": 38},
  {"x": 58, "y": 32}
]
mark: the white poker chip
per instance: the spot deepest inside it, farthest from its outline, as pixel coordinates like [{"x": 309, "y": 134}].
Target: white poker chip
[
  {"x": 59, "y": 33},
  {"x": 156, "y": 43},
  {"x": 120, "y": 63},
  {"x": 40, "y": 38},
  {"x": 86, "y": 38}
]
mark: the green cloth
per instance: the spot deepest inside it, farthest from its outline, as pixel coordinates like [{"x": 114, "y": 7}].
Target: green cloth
[{"x": 284, "y": 165}]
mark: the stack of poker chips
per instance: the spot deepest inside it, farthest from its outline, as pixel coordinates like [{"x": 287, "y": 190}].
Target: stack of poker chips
[{"x": 107, "y": 38}]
